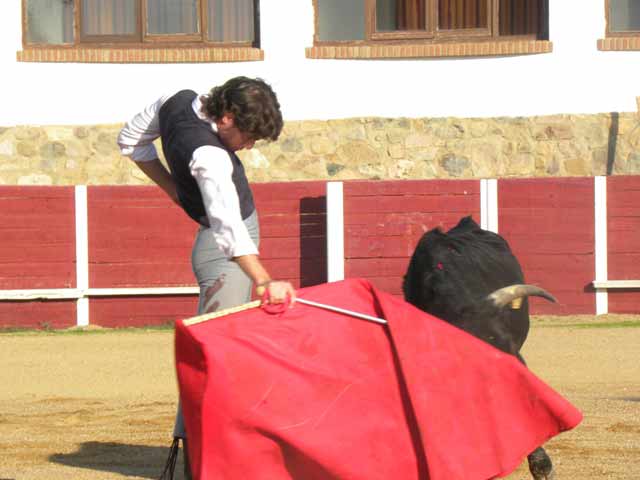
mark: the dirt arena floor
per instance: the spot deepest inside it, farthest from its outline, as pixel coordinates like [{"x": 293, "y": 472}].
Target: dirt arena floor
[{"x": 100, "y": 404}]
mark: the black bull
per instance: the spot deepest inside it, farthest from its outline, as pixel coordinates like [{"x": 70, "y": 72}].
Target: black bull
[{"x": 470, "y": 278}]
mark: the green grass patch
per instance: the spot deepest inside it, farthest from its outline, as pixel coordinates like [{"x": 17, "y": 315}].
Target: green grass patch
[
  {"x": 91, "y": 330},
  {"x": 557, "y": 322},
  {"x": 625, "y": 324}
]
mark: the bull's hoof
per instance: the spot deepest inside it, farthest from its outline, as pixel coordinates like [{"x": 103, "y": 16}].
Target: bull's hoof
[
  {"x": 540, "y": 465},
  {"x": 551, "y": 475}
]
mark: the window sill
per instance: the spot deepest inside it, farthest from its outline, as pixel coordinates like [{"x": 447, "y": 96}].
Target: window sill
[
  {"x": 140, "y": 55},
  {"x": 621, "y": 44},
  {"x": 429, "y": 50}
]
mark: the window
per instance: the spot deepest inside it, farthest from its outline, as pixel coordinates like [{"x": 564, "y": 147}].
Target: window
[
  {"x": 97, "y": 23},
  {"x": 369, "y": 22},
  {"x": 623, "y": 18},
  {"x": 623, "y": 25}
]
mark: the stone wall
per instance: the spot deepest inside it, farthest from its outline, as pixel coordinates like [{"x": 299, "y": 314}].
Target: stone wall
[{"x": 359, "y": 148}]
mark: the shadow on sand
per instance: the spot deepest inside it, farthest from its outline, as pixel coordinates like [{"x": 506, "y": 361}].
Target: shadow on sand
[{"x": 128, "y": 460}]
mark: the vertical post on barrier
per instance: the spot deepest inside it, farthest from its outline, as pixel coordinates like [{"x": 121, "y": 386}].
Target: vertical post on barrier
[
  {"x": 489, "y": 204},
  {"x": 335, "y": 232},
  {"x": 82, "y": 254},
  {"x": 601, "y": 248}
]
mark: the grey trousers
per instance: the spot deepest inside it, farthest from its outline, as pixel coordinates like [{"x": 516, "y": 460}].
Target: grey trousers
[{"x": 222, "y": 282}]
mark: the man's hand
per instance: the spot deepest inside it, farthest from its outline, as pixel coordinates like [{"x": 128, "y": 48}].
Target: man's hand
[
  {"x": 273, "y": 291},
  {"x": 276, "y": 292}
]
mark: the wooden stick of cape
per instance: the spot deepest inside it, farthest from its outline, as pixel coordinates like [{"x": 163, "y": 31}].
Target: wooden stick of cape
[{"x": 256, "y": 303}]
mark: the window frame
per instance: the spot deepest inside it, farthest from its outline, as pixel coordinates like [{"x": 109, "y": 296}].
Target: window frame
[
  {"x": 432, "y": 34},
  {"x": 143, "y": 39},
  {"x": 82, "y": 38},
  {"x": 613, "y": 34}
]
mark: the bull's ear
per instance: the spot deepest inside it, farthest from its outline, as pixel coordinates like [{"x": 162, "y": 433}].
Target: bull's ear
[
  {"x": 465, "y": 225},
  {"x": 516, "y": 303},
  {"x": 468, "y": 222}
]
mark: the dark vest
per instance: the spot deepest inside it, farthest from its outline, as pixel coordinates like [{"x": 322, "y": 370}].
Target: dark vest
[{"x": 182, "y": 133}]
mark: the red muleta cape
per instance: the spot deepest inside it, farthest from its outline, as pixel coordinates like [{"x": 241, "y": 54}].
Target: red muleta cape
[{"x": 312, "y": 394}]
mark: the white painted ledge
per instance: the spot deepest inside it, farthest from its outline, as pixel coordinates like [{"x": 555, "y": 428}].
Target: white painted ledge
[
  {"x": 608, "y": 284},
  {"x": 41, "y": 294},
  {"x": 76, "y": 293}
]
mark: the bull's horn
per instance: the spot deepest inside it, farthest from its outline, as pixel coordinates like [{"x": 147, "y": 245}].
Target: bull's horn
[{"x": 506, "y": 295}]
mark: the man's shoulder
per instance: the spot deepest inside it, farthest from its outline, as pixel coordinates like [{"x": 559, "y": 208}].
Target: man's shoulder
[
  {"x": 186, "y": 93},
  {"x": 178, "y": 103},
  {"x": 181, "y": 96}
]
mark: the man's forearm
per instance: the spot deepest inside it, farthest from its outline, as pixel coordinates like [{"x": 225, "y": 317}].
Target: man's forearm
[
  {"x": 157, "y": 172},
  {"x": 251, "y": 265}
]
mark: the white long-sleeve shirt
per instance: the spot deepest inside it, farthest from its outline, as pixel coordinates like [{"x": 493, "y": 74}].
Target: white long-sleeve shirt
[{"x": 210, "y": 166}]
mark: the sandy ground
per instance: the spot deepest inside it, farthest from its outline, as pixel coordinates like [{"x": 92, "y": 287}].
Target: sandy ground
[{"x": 100, "y": 405}]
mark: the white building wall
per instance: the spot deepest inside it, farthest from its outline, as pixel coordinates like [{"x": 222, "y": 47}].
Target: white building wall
[{"x": 574, "y": 78}]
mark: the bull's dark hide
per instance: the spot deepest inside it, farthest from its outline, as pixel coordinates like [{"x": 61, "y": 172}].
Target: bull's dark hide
[{"x": 451, "y": 274}]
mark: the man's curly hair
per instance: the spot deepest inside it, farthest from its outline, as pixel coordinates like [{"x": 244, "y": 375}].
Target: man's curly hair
[{"x": 252, "y": 103}]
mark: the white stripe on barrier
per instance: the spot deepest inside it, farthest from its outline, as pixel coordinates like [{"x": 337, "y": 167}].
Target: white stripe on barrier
[
  {"x": 489, "y": 204},
  {"x": 112, "y": 292},
  {"x": 600, "y": 217},
  {"x": 80, "y": 294},
  {"x": 335, "y": 232},
  {"x": 82, "y": 254},
  {"x": 41, "y": 294}
]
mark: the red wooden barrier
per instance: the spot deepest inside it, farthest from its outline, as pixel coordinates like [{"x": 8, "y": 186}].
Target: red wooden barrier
[
  {"x": 623, "y": 238},
  {"x": 37, "y": 250},
  {"x": 384, "y": 221},
  {"x": 42, "y": 314},
  {"x": 138, "y": 238},
  {"x": 293, "y": 230},
  {"x": 139, "y": 311},
  {"x": 549, "y": 224},
  {"x": 37, "y": 227}
]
